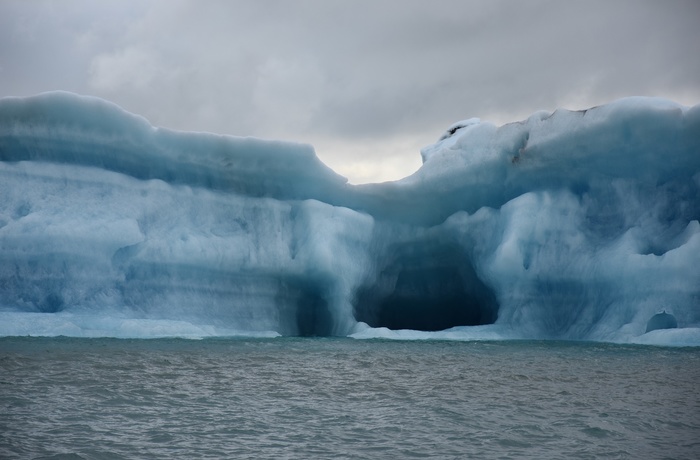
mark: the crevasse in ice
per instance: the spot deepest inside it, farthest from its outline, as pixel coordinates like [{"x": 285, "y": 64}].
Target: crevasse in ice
[{"x": 568, "y": 225}]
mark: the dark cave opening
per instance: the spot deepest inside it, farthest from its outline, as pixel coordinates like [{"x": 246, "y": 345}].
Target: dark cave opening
[
  {"x": 313, "y": 317},
  {"x": 426, "y": 286},
  {"x": 302, "y": 308}
]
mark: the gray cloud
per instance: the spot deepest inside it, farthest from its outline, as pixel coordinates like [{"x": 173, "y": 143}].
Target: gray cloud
[{"x": 356, "y": 79}]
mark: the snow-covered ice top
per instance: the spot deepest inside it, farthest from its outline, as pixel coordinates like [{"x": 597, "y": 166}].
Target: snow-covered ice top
[
  {"x": 61, "y": 127},
  {"x": 574, "y": 225}
]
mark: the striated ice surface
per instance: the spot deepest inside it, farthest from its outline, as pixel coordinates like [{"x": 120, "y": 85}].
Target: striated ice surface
[{"x": 567, "y": 225}]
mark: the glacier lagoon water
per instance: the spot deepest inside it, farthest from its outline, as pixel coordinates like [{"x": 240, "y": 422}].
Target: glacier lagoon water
[
  {"x": 568, "y": 225},
  {"x": 343, "y": 398}
]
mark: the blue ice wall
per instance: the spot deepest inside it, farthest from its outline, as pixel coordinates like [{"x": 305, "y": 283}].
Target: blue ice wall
[{"x": 575, "y": 225}]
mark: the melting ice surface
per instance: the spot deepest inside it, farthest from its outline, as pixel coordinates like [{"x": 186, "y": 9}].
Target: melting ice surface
[{"x": 568, "y": 225}]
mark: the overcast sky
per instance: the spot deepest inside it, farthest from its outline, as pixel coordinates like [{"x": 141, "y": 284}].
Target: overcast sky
[{"x": 367, "y": 83}]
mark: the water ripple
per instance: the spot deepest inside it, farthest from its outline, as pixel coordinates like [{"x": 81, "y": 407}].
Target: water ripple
[{"x": 325, "y": 398}]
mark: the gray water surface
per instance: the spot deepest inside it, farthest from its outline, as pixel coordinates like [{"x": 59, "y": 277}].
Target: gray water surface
[{"x": 343, "y": 398}]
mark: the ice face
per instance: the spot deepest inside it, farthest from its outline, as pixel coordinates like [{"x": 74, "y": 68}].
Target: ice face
[{"x": 575, "y": 225}]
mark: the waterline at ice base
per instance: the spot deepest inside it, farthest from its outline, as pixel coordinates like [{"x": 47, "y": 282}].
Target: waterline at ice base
[{"x": 568, "y": 225}]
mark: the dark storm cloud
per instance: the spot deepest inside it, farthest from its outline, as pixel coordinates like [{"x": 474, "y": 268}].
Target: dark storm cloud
[{"x": 338, "y": 74}]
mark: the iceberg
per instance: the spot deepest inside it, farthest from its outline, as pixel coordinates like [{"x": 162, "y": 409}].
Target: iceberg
[{"x": 575, "y": 225}]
